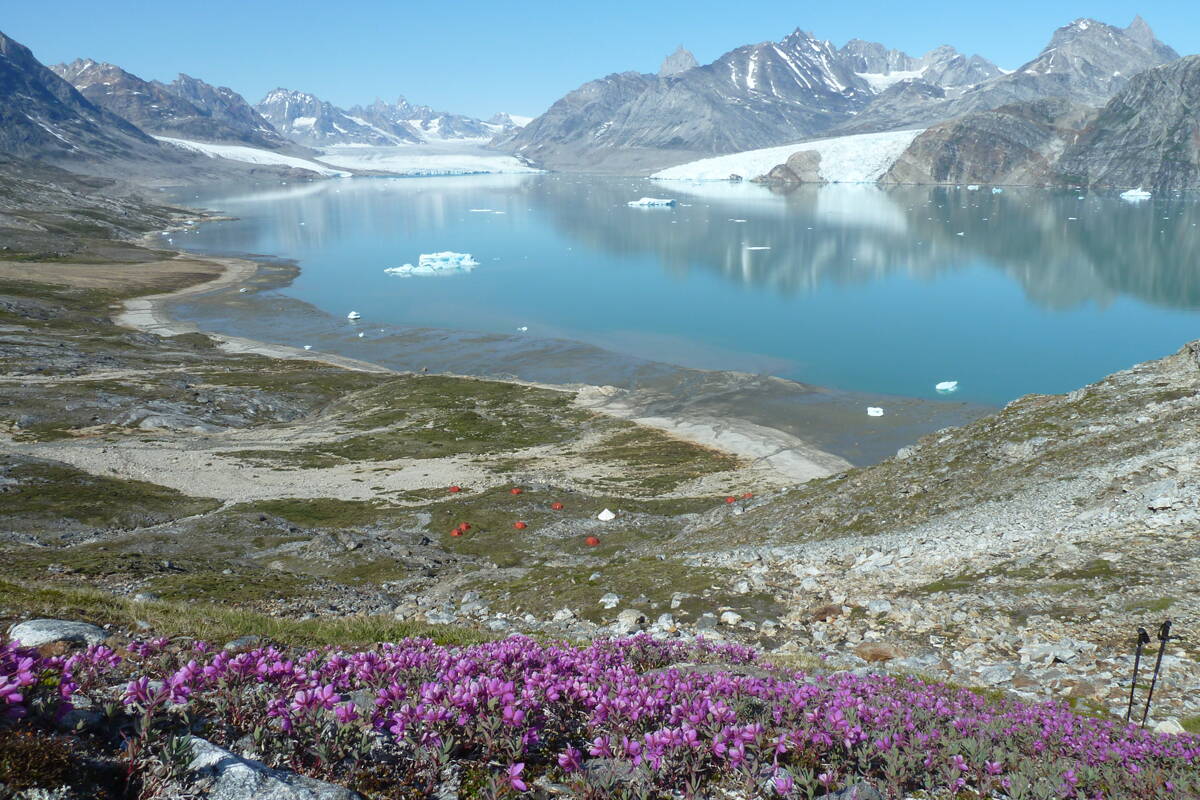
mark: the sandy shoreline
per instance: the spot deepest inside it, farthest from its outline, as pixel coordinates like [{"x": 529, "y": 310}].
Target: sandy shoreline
[{"x": 790, "y": 459}]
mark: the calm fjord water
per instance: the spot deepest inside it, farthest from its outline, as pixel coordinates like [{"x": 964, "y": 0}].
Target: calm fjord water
[{"x": 855, "y": 287}]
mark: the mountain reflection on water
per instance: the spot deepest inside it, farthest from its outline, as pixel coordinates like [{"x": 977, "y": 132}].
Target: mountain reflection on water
[{"x": 857, "y": 287}]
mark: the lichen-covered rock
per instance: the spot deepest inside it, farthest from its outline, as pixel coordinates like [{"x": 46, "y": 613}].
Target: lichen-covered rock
[
  {"x": 230, "y": 777},
  {"x": 37, "y": 632}
]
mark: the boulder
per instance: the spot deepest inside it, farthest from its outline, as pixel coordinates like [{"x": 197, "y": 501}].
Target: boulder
[
  {"x": 856, "y": 791},
  {"x": 806, "y": 166},
  {"x": 778, "y": 174},
  {"x": 230, "y": 777},
  {"x": 37, "y": 632},
  {"x": 875, "y": 652}
]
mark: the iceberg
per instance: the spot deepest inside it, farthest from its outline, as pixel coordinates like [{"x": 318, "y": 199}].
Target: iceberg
[
  {"x": 874, "y": 411},
  {"x": 973, "y": 187},
  {"x": 651, "y": 202},
  {"x": 947, "y": 387},
  {"x": 1135, "y": 195},
  {"x": 436, "y": 264},
  {"x": 997, "y": 190},
  {"x": 354, "y": 315}
]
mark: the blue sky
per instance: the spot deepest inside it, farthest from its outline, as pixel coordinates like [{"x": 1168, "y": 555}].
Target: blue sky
[{"x": 517, "y": 56}]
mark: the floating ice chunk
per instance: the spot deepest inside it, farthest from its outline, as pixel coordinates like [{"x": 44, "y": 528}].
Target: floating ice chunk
[
  {"x": 961, "y": 233},
  {"x": 481, "y": 211},
  {"x": 606, "y": 516},
  {"x": 737, "y": 220},
  {"x": 1135, "y": 195},
  {"x": 436, "y": 263},
  {"x": 447, "y": 261},
  {"x": 758, "y": 247},
  {"x": 651, "y": 202},
  {"x": 354, "y": 315},
  {"x": 523, "y": 328},
  {"x": 997, "y": 190},
  {"x": 874, "y": 411},
  {"x": 947, "y": 387},
  {"x": 308, "y": 347},
  {"x": 973, "y": 187},
  {"x": 243, "y": 290},
  {"x": 360, "y": 334}
]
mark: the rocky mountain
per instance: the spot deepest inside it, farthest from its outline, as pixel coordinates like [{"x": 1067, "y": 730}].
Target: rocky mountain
[
  {"x": 754, "y": 96},
  {"x": 1015, "y": 144},
  {"x": 1085, "y": 62},
  {"x": 1148, "y": 135},
  {"x": 160, "y": 109},
  {"x": 428, "y": 124},
  {"x": 43, "y": 118},
  {"x": 309, "y": 120},
  {"x": 680, "y": 61},
  {"x": 779, "y": 92},
  {"x": 224, "y": 105}
]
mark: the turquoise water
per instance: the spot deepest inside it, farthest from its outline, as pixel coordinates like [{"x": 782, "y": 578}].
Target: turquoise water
[{"x": 862, "y": 289}]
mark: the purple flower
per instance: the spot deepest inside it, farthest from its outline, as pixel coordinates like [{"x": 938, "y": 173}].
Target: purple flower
[{"x": 514, "y": 777}]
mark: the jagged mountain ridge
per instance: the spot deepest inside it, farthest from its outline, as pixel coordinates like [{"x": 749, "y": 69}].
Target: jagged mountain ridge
[
  {"x": 164, "y": 110},
  {"x": 778, "y": 92},
  {"x": 1147, "y": 135},
  {"x": 226, "y": 105},
  {"x": 309, "y": 120},
  {"x": 1085, "y": 62}
]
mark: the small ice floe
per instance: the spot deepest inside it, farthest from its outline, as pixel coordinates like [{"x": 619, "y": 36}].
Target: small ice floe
[
  {"x": 360, "y": 334},
  {"x": 947, "y": 387},
  {"x": 1135, "y": 195},
  {"x": 480, "y": 210},
  {"x": 997, "y": 190},
  {"x": 737, "y": 220},
  {"x": 973, "y": 187},
  {"x": 961, "y": 233},
  {"x": 436, "y": 264},
  {"x": 243, "y": 290},
  {"x": 606, "y": 516},
  {"x": 758, "y": 247},
  {"x": 874, "y": 411},
  {"x": 523, "y": 328},
  {"x": 651, "y": 202},
  {"x": 354, "y": 315},
  {"x": 308, "y": 347}
]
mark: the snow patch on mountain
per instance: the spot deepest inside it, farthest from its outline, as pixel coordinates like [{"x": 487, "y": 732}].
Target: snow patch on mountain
[{"x": 862, "y": 158}]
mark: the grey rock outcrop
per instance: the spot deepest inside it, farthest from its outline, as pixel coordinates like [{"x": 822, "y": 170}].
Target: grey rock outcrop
[
  {"x": 37, "y": 632},
  {"x": 680, "y": 61},
  {"x": 1148, "y": 135},
  {"x": 230, "y": 777}
]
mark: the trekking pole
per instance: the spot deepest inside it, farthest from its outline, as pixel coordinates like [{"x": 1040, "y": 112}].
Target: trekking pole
[
  {"x": 1164, "y": 634},
  {"x": 1143, "y": 639}
]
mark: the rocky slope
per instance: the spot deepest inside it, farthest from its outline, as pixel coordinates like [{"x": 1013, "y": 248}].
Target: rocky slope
[
  {"x": 1148, "y": 135},
  {"x": 778, "y": 92},
  {"x": 429, "y": 124}
]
